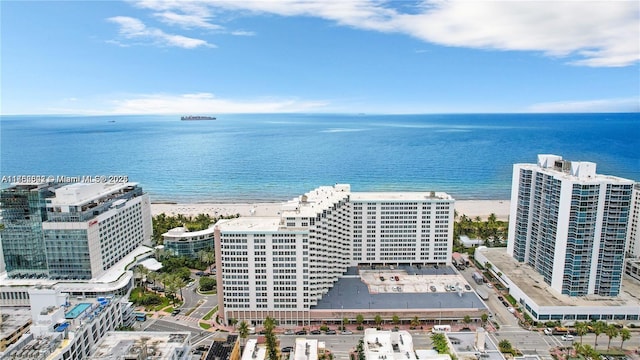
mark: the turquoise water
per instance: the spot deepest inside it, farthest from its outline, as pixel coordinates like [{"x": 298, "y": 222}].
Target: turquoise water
[
  {"x": 77, "y": 310},
  {"x": 274, "y": 157}
]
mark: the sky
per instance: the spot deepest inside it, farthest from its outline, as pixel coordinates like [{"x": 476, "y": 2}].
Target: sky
[{"x": 318, "y": 56}]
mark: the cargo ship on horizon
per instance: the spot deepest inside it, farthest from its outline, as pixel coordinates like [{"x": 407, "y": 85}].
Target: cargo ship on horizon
[{"x": 197, "y": 117}]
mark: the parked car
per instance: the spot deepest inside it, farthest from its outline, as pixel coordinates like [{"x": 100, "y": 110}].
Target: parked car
[
  {"x": 467, "y": 287},
  {"x": 381, "y": 278},
  {"x": 289, "y": 332},
  {"x": 175, "y": 312},
  {"x": 397, "y": 278},
  {"x": 287, "y": 349},
  {"x": 490, "y": 285},
  {"x": 511, "y": 309},
  {"x": 301, "y": 332},
  {"x": 500, "y": 298},
  {"x": 315, "y": 332},
  {"x": 200, "y": 273},
  {"x": 346, "y": 332},
  {"x": 567, "y": 337},
  {"x": 433, "y": 288},
  {"x": 506, "y": 304},
  {"x": 330, "y": 332}
]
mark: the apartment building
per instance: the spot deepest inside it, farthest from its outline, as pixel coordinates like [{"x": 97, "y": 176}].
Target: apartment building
[
  {"x": 570, "y": 224},
  {"x": 269, "y": 266}
]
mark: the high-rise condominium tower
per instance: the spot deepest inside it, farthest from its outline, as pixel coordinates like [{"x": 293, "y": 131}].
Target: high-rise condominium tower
[{"x": 570, "y": 224}]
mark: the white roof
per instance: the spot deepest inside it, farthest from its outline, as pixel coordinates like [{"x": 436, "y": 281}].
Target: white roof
[{"x": 151, "y": 264}]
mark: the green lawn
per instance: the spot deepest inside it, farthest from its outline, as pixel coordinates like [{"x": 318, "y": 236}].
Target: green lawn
[{"x": 210, "y": 313}]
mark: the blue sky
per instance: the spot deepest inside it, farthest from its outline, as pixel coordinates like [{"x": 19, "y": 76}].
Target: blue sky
[{"x": 353, "y": 56}]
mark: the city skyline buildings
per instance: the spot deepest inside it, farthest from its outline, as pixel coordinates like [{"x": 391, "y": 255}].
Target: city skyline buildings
[{"x": 570, "y": 224}]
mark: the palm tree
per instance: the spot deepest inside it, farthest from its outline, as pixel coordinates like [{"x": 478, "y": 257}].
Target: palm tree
[
  {"x": 359, "y": 320},
  {"x": 467, "y": 319},
  {"x": 345, "y": 321},
  {"x": 180, "y": 283},
  {"x": 243, "y": 331},
  {"x": 612, "y": 332},
  {"x": 209, "y": 258},
  {"x": 598, "y": 328},
  {"x": 395, "y": 319},
  {"x": 625, "y": 335},
  {"x": 415, "y": 322},
  {"x": 378, "y": 320},
  {"x": 581, "y": 329},
  {"x": 505, "y": 346},
  {"x": 152, "y": 276},
  {"x": 270, "y": 339},
  {"x": 484, "y": 318}
]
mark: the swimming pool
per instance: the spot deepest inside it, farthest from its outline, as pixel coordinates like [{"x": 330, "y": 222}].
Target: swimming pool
[{"x": 77, "y": 310}]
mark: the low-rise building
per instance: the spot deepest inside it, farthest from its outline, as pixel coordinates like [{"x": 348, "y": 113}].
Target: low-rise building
[
  {"x": 543, "y": 303},
  {"x": 143, "y": 345},
  {"x": 182, "y": 242}
]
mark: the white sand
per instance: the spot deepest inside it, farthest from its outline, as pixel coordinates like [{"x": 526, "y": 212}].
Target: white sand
[{"x": 470, "y": 208}]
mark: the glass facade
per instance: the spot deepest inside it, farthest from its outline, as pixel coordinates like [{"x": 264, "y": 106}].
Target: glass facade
[{"x": 23, "y": 211}]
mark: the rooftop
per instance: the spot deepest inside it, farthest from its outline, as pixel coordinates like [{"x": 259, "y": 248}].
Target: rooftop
[
  {"x": 412, "y": 290},
  {"x": 390, "y": 345},
  {"x": 156, "y": 345},
  {"x": 13, "y": 318},
  {"x": 82, "y": 193},
  {"x": 532, "y": 283},
  {"x": 400, "y": 196}
]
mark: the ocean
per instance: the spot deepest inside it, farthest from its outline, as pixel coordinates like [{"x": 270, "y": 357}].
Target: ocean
[{"x": 275, "y": 157}]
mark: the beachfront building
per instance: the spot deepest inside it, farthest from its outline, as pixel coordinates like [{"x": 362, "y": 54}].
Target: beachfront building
[
  {"x": 182, "y": 242},
  {"x": 544, "y": 303},
  {"x": 633, "y": 242},
  {"x": 78, "y": 238},
  {"x": 570, "y": 224},
  {"x": 71, "y": 231},
  {"x": 92, "y": 226},
  {"x": 282, "y": 266},
  {"x": 22, "y": 212}
]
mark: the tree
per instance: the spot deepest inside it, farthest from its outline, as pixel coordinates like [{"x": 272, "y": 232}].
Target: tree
[
  {"x": 612, "y": 332},
  {"x": 467, "y": 319},
  {"x": 598, "y": 328},
  {"x": 378, "y": 320},
  {"x": 484, "y": 318},
  {"x": 395, "y": 319},
  {"x": 415, "y": 322},
  {"x": 581, "y": 329},
  {"x": 209, "y": 258},
  {"x": 270, "y": 339},
  {"x": 505, "y": 346},
  {"x": 243, "y": 331},
  {"x": 625, "y": 335},
  {"x": 345, "y": 321}
]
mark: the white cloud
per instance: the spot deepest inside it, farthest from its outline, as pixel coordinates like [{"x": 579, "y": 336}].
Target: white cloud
[
  {"x": 242, "y": 33},
  {"x": 588, "y": 33},
  {"x": 631, "y": 104},
  {"x": 187, "y": 21},
  {"x": 132, "y": 28},
  {"x": 206, "y": 103}
]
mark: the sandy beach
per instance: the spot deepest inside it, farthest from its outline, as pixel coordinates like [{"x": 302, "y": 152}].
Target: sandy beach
[{"x": 470, "y": 208}]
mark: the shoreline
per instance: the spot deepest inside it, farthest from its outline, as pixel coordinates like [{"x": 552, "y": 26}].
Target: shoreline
[{"x": 470, "y": 208}]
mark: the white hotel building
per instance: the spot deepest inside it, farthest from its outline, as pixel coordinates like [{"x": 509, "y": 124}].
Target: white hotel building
[{"x": 285, "y": 264}]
